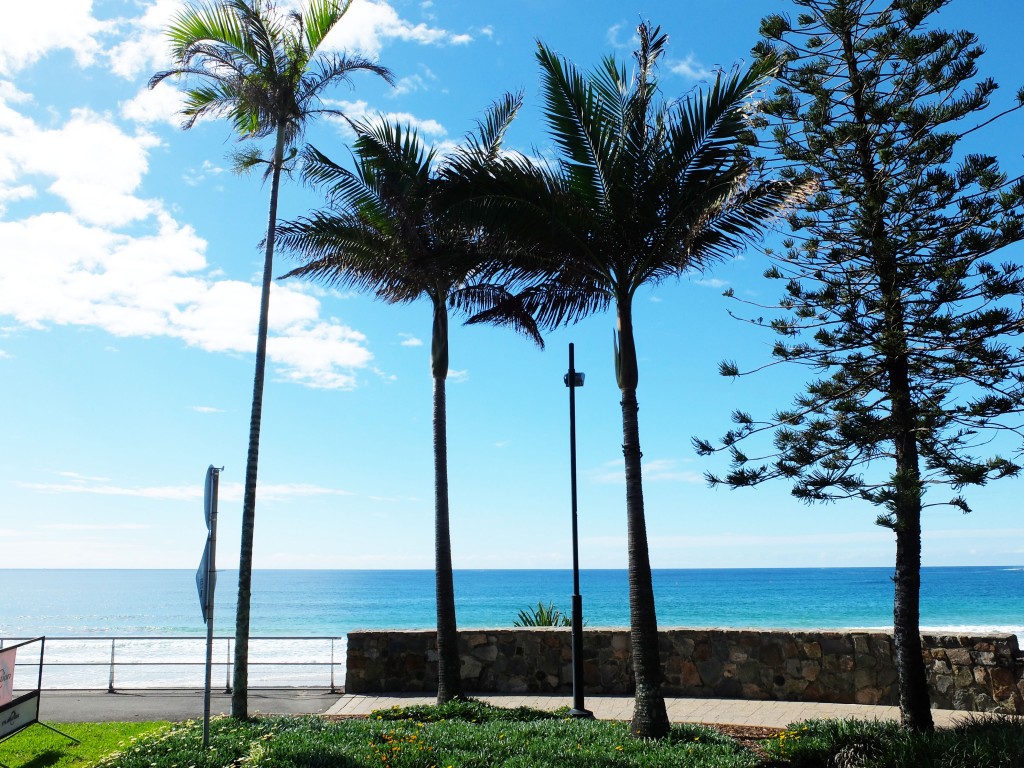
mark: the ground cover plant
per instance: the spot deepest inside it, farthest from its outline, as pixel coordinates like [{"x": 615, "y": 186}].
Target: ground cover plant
[
  {"x": 464, "y": 734},
  {"x": 471, "y": 734},
  {"x": 40, "y": 747},
  {"x": 980, "y": 742}
]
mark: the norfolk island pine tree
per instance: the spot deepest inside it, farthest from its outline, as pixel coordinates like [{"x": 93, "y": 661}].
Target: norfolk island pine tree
[
  {"x": 264, "y": 70},
  {"x": 888, "y": 282}
]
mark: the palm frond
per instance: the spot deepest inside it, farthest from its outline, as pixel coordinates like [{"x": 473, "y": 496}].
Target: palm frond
[
  {"x": 551, "y": 304},
  {"x": 479, "y": 299},
  {"x": 343, "y": 251},
  {"x": 319, "y": 18},
  {"x": 581, "y": 124},
  {"x": 265, "y": 61}
]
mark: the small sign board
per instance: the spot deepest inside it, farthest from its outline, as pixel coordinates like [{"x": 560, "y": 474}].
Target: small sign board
[
  {"x": 17, "y": 714},
  {"x": 7, "y": 656}
]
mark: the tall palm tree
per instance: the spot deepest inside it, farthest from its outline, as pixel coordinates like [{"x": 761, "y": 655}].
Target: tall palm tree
[
  {"x": 263, "y": 70},
  {"x": 389, "y": 231},
  {"x": 641, "y": 191}
]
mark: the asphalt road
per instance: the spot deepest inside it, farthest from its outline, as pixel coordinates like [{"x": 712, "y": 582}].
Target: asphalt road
[{"x": 77, "y": 706}]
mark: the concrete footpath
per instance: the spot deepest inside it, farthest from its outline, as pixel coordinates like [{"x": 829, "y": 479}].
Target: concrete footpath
[{"x": 67, "y": 706}]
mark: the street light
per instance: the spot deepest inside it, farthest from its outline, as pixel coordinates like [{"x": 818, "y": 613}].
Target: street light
[{"x": 572, "y": 380}]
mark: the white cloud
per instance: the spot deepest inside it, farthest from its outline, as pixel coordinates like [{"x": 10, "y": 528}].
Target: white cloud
[
  {"x": 196, "y": 176},
  {"x": 161, "y": 104},
  {"x": 614, "y": 36},
  {"x": 412, "y": 83},
  {"x": 712, "y": 282},
  {"x": 457, "y": 377},
  {"x": 316, "y": 353},
  {"x": 463, "y": 39},
  {"x": 192, "y": 492},
  {"x": 87, "y": 527},
  {"x": 487, "y": 31},
  {"x": 4, "y": 355},
  {"x": 83, "y": 478},
  {"x": 156, "y": 282},
  {"x": 408, "y": 340},
  {"x": 206, "y": 409},
  {"x": 145, "y": 48},
  {"x": 96, "y": 185},
  {"x": 29, "y": 32},
  {"x": 370, "y": 24},
  {"x": 360, "y": 111},
  {"x": 161, "y": 493},
  {"x": 691, "y": 69},
  {"x": 652, "y": 470}
]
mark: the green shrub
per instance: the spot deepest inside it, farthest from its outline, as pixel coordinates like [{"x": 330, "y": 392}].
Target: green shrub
[
  {"x": 979, "y": 742},
  {"x": 469, "y": 710},
  {"x": 542, "y": 616}
]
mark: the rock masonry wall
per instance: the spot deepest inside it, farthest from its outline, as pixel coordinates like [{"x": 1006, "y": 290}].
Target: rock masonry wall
[{"x": 982, "y": 674}]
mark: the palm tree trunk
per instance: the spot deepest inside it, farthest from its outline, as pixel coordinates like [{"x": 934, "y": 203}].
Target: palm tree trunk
[
  {"x": 650, "y": 718},
  {"x": 240, "y": 688},
  {"x": 449, "y": 673}
]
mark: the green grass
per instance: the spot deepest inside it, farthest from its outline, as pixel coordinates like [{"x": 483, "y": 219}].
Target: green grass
[
  {"x": 471, "y": 734},
  {"x": 39, "y": 747}
]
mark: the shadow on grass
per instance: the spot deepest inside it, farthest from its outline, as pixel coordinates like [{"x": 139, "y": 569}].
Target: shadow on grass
[{"x": 47, "y": 758}]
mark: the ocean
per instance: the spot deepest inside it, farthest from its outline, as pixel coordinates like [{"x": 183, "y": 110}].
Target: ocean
[{"x": 300, "y": 604}]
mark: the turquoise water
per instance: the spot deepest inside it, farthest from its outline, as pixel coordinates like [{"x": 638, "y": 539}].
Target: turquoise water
[
  {"x": 104, "y": 604},
  {"x": 161, "y": 602}
]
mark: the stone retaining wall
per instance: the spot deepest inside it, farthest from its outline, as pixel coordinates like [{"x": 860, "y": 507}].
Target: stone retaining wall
[{"x": 983, "y": 674}]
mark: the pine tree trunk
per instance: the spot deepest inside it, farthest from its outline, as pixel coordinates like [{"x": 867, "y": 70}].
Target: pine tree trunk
[
  {"x": 915, "y": 708},
  {"x": 449, "y": 674},
  {"x": 650, "y": 718},
  {"x": 915, "y": 704},
  {"x": 240, "y": 686}
]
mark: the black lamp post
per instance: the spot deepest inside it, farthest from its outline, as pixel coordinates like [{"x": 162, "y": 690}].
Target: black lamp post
[{"x": 572, "y": 380}]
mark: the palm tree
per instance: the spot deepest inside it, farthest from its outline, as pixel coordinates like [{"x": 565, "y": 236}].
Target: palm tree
[
  {"x": 641, "y": 191},
  {"x": 264, "y": 71},
  {"x": 389, "y": 231}
]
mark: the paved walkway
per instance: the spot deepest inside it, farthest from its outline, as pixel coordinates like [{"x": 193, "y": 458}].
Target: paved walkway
[
  {"x": 771, "y": 714},
  {"x": 66, "y": 706},
  {"x": 146, "y": 704}
]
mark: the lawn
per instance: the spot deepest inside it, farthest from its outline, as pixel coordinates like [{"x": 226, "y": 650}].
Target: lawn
[
  {"x": 475, "y": 735},
  {"x": 39, "y": 747}
]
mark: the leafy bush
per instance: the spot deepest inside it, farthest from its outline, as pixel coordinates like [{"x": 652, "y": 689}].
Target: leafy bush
[
  {"x": 979, "y": 742},
  {"x": 469, "y": 710}
]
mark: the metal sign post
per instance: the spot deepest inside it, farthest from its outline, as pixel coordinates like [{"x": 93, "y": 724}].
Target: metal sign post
[{"x": 206, "y": 581}]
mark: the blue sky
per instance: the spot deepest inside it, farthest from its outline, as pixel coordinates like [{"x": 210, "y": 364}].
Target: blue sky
[{"x": 129, "y": 300}]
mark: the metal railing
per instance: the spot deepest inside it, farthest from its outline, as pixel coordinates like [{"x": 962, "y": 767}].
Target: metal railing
[{"x": 120, "y": 646}]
